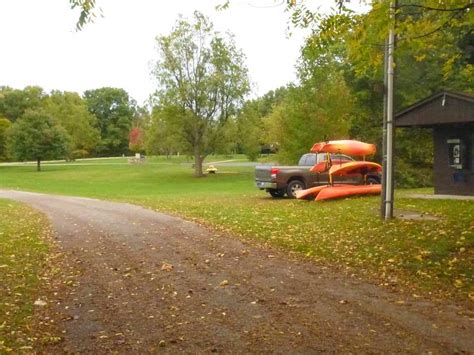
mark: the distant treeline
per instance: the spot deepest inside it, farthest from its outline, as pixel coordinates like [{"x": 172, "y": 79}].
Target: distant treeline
[{"x": 199, "y": 107}]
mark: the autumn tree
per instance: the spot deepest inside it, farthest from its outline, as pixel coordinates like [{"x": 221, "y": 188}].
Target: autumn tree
[
  {"x": 202, "y": 74},
  {"x": 37, "y": 136},
  {"x": 136, "y": 140},
  {"x": 71, "y": 112}
]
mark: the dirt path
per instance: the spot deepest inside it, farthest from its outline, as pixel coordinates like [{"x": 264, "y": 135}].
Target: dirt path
[{"x": 149, "y": 282}]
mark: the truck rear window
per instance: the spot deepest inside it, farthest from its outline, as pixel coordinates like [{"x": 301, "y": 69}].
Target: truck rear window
[{"x": 307, "y": 160}]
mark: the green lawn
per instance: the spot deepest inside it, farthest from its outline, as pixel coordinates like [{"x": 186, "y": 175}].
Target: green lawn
[
  {"x": 24, "y": 255},
  {"x": 418, "y": 256}
]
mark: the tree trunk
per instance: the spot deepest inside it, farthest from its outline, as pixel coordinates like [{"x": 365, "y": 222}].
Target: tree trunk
[
  {"x": 38, "y": 164},
  {"x": 198, "y": 158}
]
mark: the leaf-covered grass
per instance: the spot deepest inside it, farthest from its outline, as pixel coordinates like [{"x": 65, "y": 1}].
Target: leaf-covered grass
[
  {"x": 430, "y": 256},
  {"x": 426, "y": 256},
  {"x": 23, "y": 259}
]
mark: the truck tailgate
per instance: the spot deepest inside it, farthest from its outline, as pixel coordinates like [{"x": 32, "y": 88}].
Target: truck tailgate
[{"x": 263, "y": 173}]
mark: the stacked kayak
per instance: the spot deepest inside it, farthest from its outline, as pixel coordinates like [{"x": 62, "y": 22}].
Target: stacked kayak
[
  {"x": 333, "y": 191},
  {"x": 327, "y": 192},
  {"x": 355, "y": 167},
  {"x": 310, "y": 193},
  {"x": 350, "y": 147}
]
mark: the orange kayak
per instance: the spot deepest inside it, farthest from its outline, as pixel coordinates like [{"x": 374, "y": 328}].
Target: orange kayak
[
  {"x": 331, "y": 192},
  {"x": 355, "y": 167},
  {"x": 348, "y": 146},
  {"x": 313, "y": 191},
  {"x": 320, "y": 167}
]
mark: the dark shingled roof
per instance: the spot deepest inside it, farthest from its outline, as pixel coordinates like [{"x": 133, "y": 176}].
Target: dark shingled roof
[{"x": 446, "y": 107}]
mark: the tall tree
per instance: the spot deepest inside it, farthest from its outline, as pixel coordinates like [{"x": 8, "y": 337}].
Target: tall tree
[
  {"x": 70, "y": 110},
  {"x": 136, "y": 140},
  {"x": 4, "y": 125},
  {"x": 15, "y": 102},
  {"x": 309, "y": 113},
  {"x": 37, "y": 136},
  {"x": 203, "y": 75},
  {"x": 425, "y": 64},
  {"x": 251, "y": 137},
  {"x": 114, "y": 110},
  {"x": 161, "y": 135},
  {"x": 250, "y": 130}
]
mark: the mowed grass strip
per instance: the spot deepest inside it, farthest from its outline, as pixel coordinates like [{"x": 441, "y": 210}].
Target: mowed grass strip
[
  {"x": 420, "y": 256},
  {"x": 24, "y": 253}
]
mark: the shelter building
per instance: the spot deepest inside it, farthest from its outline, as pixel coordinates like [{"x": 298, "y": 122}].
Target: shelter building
[{"x": 451, "y": 116}]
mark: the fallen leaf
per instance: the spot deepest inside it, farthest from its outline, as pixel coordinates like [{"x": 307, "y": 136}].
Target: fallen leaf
[
  {"x": 40, "y": 303},
  {"x": 166, "y": 267}
]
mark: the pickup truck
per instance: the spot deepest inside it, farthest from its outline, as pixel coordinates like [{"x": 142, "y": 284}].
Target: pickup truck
[{"x": 281, "y": 180}]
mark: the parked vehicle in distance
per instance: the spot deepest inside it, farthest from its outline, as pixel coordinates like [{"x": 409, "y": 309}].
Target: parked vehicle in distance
[{"x": 281, "y": 180}]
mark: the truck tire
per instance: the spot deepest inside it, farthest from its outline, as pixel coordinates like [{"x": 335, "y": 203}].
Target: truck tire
[
  {"x": 276, "y": 193},
  {"x": 293, "y": 186},
  {"x": 373, "y": 180}
]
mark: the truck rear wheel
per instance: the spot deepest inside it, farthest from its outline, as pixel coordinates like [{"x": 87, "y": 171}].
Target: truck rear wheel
[
  {"x": 276, "y": 193},
  {"x": 293, "y": 186},
  {"x": 372, "y": 180}
]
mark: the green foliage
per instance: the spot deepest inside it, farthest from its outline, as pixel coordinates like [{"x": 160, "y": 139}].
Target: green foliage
[
  {"x": 409, "y": 175},
  {"x": 4, "y": 125},
  {"x": 431, "y": 51},
  {"x": 37, "y": 136},
  {"x": 313, "y": 112},
  {"x": 251, "y": 131},
  {"x": 114, "y": 111},
  {"x": 202, "y": 74},
  {"x": 427, "y": 61},
  {"x": 71, "y": 112},
  {"x": 414, "y": 153},
  {"x": 87, "y": 12},
  {"x": 251, "y": 137},
  {"x": 164, "y": 134},
  {"x": 79, "y": 154},
  {"x": 320, "y": 108},
  {"x": 14, "y": 102}
]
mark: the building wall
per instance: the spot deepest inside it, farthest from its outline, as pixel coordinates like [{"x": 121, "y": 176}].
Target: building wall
[{"x": 449, "y": 180}]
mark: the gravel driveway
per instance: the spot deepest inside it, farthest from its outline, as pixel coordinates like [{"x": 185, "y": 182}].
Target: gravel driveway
[{"x": 149, "y": 282}]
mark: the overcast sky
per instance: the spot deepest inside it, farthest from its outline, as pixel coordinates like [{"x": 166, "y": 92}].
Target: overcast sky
[{"x": 39, "y": 45}]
